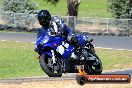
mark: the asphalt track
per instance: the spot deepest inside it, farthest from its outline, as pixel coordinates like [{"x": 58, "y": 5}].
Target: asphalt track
[
  {"x": 114, "y": 42},
  {"x": 70, "y": 76}
]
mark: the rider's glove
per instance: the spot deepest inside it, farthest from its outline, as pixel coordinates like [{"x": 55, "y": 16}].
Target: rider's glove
[{"x": 72, "y": 38}]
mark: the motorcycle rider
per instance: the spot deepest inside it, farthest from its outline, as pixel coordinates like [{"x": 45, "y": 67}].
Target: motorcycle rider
[{"x": 55, "y": 25}]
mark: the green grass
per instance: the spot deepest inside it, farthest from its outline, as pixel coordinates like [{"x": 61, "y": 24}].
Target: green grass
[
  {"x": 92, "y": 8},
  {"x": 114, "y": 59},
  {"x": 17, "y": 59},
  {"x": 87, "y": 8}
]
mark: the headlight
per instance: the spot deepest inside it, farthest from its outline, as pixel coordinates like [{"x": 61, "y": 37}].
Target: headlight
[{"x": 45, "y": 40}]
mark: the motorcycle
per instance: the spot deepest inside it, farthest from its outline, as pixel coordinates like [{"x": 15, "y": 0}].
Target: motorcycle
[{"x": 54, "y": 51}]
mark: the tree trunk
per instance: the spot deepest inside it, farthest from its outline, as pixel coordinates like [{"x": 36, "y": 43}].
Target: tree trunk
[{"x": 72, "y": 6}]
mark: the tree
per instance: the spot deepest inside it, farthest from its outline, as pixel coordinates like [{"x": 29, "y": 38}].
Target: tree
[
  {"x": 17, "y": 12},
  {"x": 120, "y": 8},
  {"x": 18, "y": 6},
  {"x": 72, "y": 6}
]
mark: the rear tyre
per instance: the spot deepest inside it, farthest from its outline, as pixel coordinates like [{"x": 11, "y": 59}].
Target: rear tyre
[
  {"x": 93, "y": 66},
  {"x": 44, "y": 63}
]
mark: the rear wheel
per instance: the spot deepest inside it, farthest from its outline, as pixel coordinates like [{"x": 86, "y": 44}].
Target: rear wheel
[
  {"x": 48, "y": 67},
  {"x": 93, "y": 64}
]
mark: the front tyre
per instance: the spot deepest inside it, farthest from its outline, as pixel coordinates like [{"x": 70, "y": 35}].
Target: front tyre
[
  {"x": 50, "y": 69},
  {"x": 93, "y": 66}
]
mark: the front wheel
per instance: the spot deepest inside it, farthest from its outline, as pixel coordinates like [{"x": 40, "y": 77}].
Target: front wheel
[
  {"x": 93, "y": 64},
  {"x": 47, "y": 66}
]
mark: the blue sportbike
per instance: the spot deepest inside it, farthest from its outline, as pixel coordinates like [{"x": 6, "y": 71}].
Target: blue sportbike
[{"x": 54, "y": 51}]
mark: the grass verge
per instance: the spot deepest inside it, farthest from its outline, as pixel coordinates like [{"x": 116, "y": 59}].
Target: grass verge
[
  {"x": 115, "y": 59},
  {"x": 17, "y": 59}
]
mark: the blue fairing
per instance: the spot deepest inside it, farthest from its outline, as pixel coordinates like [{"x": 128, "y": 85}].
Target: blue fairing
[
  {"x": 51, "y": 39},
  {"x": 68, "y": 51},
  {"x": 53, "y": 42},
  {"x": 82, "y": 39}
]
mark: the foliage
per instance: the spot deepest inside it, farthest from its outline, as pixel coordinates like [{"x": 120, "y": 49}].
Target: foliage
[
  {"x": 17, "y": 12},
  {"x": 120, "y": 8},
  {"x": 18, "y": 6}
]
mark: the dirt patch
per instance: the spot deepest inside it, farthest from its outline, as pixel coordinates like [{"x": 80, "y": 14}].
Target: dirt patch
[{"x": 61, "y": 84}]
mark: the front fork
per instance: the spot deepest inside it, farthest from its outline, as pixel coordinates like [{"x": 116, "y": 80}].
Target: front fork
[{"x": 53, "y": 56}]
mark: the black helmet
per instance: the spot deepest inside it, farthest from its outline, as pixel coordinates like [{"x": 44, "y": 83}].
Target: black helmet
[{"x": 44, "y": 18}]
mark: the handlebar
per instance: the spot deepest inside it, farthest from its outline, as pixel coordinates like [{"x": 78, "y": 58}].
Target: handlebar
[{"x": 91, "y": 40}]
